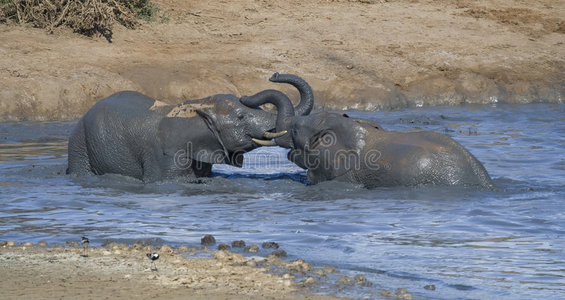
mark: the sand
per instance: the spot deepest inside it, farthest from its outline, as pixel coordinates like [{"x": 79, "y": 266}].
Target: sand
[
  {"x": 124, "y": 272},
  {"x": 356, "y": 55}
]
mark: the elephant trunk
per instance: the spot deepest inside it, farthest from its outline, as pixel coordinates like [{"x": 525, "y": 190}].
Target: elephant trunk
[
  {"x": 306, "y": 103},
  {"x": 284, "y": 115}
]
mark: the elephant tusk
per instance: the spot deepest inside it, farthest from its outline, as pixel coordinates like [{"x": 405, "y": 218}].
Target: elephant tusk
[
  {"x": 264, "y": 142},
  {"x": 272, "y": 135}
]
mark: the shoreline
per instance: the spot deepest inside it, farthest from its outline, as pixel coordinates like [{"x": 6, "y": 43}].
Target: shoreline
[
  {"x": 123, "y": 271},
  {"x": 365, "y": 55}
]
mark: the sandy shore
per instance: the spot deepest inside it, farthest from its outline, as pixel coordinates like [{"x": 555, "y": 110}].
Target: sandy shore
[
  {"x": 356, "y": 54},
  {"x": 124, "y": 272}
]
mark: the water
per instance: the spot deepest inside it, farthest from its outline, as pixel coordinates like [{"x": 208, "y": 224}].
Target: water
[{"x": 507, "y": 243}]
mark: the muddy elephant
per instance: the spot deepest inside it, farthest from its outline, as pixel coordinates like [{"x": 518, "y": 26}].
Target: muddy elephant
[
  {"x": 134, "y": 135},
  {"x": 333, "y": 146}
]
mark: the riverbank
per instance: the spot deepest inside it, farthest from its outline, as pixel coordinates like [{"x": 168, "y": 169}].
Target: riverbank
[
  {"x": 355, "y": 54},
  {"x": 124, "y": 272}
]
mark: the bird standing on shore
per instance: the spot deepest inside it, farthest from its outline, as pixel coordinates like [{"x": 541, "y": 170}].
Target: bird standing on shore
[
  {"x": 85, "y": 242},
  {"x": 153, "y": 257}
]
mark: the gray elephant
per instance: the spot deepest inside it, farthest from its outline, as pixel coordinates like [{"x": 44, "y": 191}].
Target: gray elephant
[
  {"x": 333, "y": 146},
  {"x": 131, "y": 134}
]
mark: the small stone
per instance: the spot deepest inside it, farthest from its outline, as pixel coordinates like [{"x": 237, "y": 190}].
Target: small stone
[
  {"x": 309, "y": 281},
  {"x": 270, "y": 245},
  {"x": 349, "y": 67},
  {"x": 430, "y": 287},
  {"x": 330, "y": 270},
  {"x": 42, "y": 244},
  {"x": 360, "y": 279},
  {"x": 252, "y": 248},
  {"x": 72, "y": 244},
  {"x": 208, "y": 240},
  {"x": 166, "y": 249},
  {"x": 27, "y": 245},
  {"x": 224, "y": 247},
  {"x": 299, "y": 265},
  {"x": 279, "y": 253},
  {"x": 238, "y": 244},
  {"x": 402, "y": 293},
  {"x": 344, "y": 279},
  {"x": 185, "y": 249},
  {"x": 234, "y": 258}
]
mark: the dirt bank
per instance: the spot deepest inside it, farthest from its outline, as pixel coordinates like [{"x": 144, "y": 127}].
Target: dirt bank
[
  {"x": 123, "y": 272},
  {"x": 355, "y": 54}
]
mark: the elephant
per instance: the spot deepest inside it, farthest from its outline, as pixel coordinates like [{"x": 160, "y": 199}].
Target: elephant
[
  {"x": 131, "y": 134},
  {"x": 333, "y": 146}
]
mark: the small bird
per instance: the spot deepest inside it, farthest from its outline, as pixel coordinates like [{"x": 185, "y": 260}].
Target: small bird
[
  {"x": 153, "y": 257},
  {"x": 85, "y": 242}
]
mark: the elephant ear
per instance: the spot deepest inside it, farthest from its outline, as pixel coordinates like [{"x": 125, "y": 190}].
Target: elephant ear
[{"x": 216, "y": 156}]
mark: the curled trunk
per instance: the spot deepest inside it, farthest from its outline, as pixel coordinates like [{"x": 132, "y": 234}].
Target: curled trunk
[
  {"x": 284, "y": 115},
  {"x": 306, "y": 103}
]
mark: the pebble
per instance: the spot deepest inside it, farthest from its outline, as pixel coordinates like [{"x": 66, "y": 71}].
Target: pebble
[
  {"x": 252, "y": 248},
  {"x": 42, "y": 244},
  {"x": 344, "y": 279},
  {"x": 326, "y": 270},
  {"x": 270, "y": 245},
  {"x": 279, "y": 253},
  {"x": 186, "y": 249},
  {"x": 208, "y": 240},
  {"x": 166, "y": 249},
  {"x": 430, "y": 287},
  {"x": 238, "y": 244},
  {"x": 401, "y": 293},
  {"x": 225, "y": 256},
  {"x": 309, "y": 281},
  {"x": 72, "y": 244},
  {"x": 27, "y": 245},
  {"x": 299, "y": 265},
  {"x": 360, "y": 279},
  {"x": 224, "y": 247},
  {"x": 10, "y": 243}
]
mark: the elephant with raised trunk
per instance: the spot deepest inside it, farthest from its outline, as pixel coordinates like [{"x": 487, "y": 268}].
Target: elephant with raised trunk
[
  {"x": 134, "y": 135},
  {"x": 333, "y": 146}
]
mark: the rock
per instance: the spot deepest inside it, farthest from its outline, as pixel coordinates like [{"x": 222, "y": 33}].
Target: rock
[
  {"x": 233, "y": 258},
  {"x": 224, "y": 247},
  {"x": 430, "y": 287},
  {"x": 186, "y": 249},
  {"x": 166, "y": 249},
  {"x": 326, "y": 270},
  {"x": 279, "y": 253},
  {"x": 238, "y": 244},
  {"x": 72, "y": 244},
  {"x": 344, "y": 280},
  {"x": 27, "y": 245},
  {"x": 42, "y": 244},
  {"x": 270, "y": 245},
  {"x": 208, "y": 240},
  {"x": 309, "y": 281},
  {"x": 299, "y": 265},
  {"x": 401, "y": 293},
  {"x": 252, "y": 248},
  {"x": 360, "y": 279}
]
